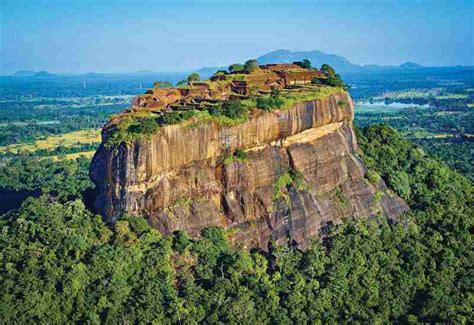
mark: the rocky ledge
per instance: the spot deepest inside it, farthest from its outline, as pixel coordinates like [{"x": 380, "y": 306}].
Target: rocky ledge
[{"x": 280, "y": 176}]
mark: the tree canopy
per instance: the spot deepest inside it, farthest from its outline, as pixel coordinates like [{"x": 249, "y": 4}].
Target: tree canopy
[
  {"x": 306, "y": 64},
  {"x": 251, "y": 65},
  {"x": 162, "y": 84},
  {"x": 61, "y": 263},
  {"x": 236, "y": 67},
  {"x": 328, "y": 70},
  {"x": 193, "y": 77}
]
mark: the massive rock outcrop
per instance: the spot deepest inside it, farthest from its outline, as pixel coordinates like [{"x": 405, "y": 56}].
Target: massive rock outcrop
[{"x": 301, "y": 171}]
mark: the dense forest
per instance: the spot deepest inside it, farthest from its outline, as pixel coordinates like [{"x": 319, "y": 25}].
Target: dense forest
[
  {"x": 446, "y": 134},
  {"x": 25, "y": 176},
  {"x": 61, "y": 263}
]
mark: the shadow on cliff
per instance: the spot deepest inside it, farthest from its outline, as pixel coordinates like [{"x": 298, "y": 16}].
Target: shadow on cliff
[{"x": 89, "y": 196}]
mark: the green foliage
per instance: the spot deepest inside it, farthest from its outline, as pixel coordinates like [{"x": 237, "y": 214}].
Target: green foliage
[
  {"x": 290, "y": 178},
  {"x": 193, "y": 77},
  {"x": 233, "y": 110},
  {"x": 333, "y": 79},
  {"x": 443, "y": 129},
  {"x": 378, "y": 196},
  {"x": 269, "y": 103},
  {"x": 306, "y": 64},
  {"x": 182, "y": 83},
  {"x": 328, "y": 70},
  {"x": 182, "y": 201},
  {"x": 279, "y": 188},
  {"x": 341, "y": 199},
  {"x": 220, "y": 73},
  {"x": 251, "y": 65},
  {"x": 162, "y": 84},
  {"x": 373, "y": 177},
  {"x": 23, "y": 176},
  {"x": 456, "y": 153},
  {"x": 62, "y": 264},
  {"x": 238, "y": 156},
  {"x": 130, "y": 129},
  {"x": 289, "y": 100},
  {"x": 400, "y": 182},
  {"x": 442, "y": 209},
  {"x": 134, "y": 128},
  {"x": 175, "y": 117},
  {"x": 180, "y": 241},
  {"x": 236, "y": 67}
]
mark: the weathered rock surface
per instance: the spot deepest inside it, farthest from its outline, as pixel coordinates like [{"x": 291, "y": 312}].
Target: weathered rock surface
[{"x": 178, "y": 181}]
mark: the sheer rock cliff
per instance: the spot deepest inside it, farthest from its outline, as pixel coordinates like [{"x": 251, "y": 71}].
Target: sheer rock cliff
[{"x": 301, "y": 172}]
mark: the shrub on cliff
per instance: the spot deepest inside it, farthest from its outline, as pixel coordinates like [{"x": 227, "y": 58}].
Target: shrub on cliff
[
  {"x": 193, "y": 77},
  {"x": 251, "y": 65},
  {"x": 236, "y": 67},
  {"x": 130, "y": 129},
  {"x": 328, "y": 70},
  {"x": 238, "y": 156},
  {"x": 182, "y": 83},
  {"x": 162, "y": 84},
  {"x": 234, "y": 110},
  {"x": 333, "y": 79},
  {"x": 305, "y": 64},
  {"x": 274, "y": 101}
]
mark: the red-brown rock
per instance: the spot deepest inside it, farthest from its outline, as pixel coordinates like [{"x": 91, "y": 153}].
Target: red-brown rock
[{"x": 177, "y": 179}]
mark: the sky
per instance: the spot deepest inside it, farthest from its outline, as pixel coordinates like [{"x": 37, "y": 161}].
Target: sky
[{"x": 76, "y": 36}]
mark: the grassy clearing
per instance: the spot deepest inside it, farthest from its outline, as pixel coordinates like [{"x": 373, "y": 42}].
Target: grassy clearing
[
  {"x": 65, "y": 140},
  {"x": 290, "y": 99}
]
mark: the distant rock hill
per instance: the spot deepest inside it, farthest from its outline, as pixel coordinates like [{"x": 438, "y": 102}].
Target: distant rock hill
[
  {"x": 410, "y": 65},
  {"x": 24, "y": 73},
  {"x": 317, "y": 58},
  {"x": 44, "y": 74}
]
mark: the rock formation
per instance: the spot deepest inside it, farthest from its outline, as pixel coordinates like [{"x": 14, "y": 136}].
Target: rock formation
[{"x": 281, "y": 175}]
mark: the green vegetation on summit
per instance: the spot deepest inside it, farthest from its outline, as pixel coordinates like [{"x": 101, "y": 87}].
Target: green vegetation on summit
[{"x": 226, "y": 98}]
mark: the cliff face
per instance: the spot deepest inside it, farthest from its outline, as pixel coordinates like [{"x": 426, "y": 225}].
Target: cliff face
[{"x": 300, "y": 172}]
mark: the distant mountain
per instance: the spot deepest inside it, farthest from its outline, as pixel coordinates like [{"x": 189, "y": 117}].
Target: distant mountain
[
  {"x": 317, "y": 58},
  {"x": 208, "y": 71},
  {"x": 24, "y": 73},
  {"x": 44, "y": 74},
  {"x": 410, "y": 65}
]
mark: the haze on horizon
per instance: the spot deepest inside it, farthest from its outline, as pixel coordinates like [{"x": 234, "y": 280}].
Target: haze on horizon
[{"x": 119, "y": 36}]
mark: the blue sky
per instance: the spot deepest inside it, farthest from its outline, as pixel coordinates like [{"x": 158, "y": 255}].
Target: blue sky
[{"x": 118, "y": 36}]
